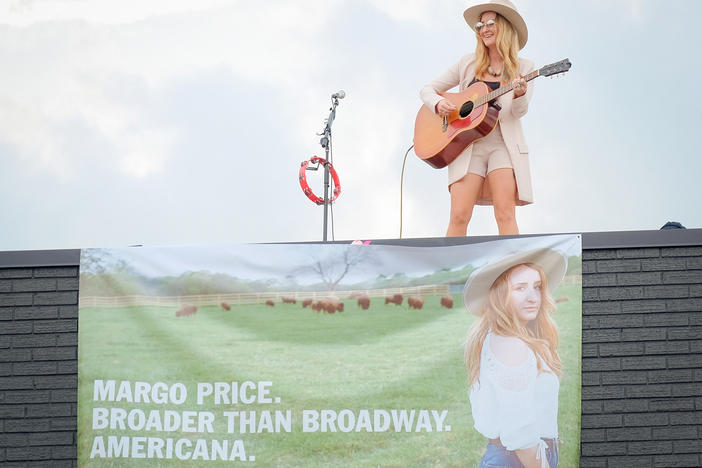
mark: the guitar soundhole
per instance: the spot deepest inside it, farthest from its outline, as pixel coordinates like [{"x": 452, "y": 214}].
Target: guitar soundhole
[{"x": 466, "y": 109}]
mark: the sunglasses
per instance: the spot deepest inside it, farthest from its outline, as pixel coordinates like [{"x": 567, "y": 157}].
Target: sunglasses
[{"x": 480, "y": 25}]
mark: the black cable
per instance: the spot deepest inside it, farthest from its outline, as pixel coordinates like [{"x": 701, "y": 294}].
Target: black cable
[
  {"x": 331, "y": 205},
  {"x": 402, "y": 179}
]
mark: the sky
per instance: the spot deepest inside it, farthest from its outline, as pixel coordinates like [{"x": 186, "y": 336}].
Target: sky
[{"x": 174, "y": 122}]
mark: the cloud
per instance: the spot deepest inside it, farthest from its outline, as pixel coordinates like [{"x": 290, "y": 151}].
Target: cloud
[
  {"x": 418, "y": 11},
  {"x": 636, "y": 8},
  {"x": 108, "y": 76},
  {"x": 27, "y": 12}
]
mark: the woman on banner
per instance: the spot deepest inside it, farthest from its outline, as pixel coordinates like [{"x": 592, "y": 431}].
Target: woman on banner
[
  {"x": 495, "y": 169},
  {"x": 512, "y": 359}
]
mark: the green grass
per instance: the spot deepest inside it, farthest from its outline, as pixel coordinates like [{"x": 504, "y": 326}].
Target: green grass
[{"x": 387, "y": 357}]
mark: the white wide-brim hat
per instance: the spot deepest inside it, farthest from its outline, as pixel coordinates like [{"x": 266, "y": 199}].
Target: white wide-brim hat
[
  {"x": 504, "y": 8},
  {"x": 477, "y": 288}
]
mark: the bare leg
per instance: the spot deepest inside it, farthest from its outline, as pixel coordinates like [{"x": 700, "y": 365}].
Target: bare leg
[
  {"x": 464, "y": 194},
  {"x": 504, "y": 195}
]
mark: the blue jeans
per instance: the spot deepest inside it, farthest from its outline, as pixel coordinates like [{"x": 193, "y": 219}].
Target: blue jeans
[{"x": 497, "y": 456}]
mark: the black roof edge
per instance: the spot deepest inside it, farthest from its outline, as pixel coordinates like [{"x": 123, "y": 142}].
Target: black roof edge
[
  {"x": 39, "y": 258},
  {"x": 590, "y": 240}
]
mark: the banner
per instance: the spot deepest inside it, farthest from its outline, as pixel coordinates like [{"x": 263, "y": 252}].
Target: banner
[{"x": 322, "y": 355}]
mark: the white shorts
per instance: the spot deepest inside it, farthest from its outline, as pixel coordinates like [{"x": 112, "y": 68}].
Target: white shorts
[{"x": 489, "y": 153}]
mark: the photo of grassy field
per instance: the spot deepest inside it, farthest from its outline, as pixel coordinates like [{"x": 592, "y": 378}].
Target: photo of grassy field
[{"x": 384, "y": 357}]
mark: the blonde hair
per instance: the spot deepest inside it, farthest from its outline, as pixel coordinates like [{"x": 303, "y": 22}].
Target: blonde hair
[
  {"x": 507, "y": 46},
  {"x": 499, "y": 316}
]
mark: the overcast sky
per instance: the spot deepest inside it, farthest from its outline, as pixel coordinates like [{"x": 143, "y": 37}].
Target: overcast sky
[{"x": 162, "y": 122}]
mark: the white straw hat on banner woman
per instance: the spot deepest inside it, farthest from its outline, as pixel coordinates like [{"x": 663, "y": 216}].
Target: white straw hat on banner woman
[
  {"x": 501, "y": 7},
  {"x": 475, "y": 293}
]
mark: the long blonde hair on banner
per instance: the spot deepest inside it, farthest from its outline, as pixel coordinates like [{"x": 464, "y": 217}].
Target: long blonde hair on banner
[
  {"x": 500, "y": 316},
  {"x": 507, "y": 46}
]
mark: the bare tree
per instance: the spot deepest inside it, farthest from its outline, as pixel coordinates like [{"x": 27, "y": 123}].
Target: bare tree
[
  {"x": 332, "y": 265},
  {"x": 102, "y": 261}
]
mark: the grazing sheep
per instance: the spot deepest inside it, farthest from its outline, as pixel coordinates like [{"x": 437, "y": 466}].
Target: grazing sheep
[
  {"x": 364, "y": 302},
  {"x": 416, "y": 302},
  {"x": 307, "y": 302},
  {"x": 270, "y": 303},
  {"x": 394, "y": 299},
  {"x": 289, "y": 300},
  {"x": 447, "y": 301},
  {"x": 225, "y": 306},
  {"x": 186, "y": 311}
]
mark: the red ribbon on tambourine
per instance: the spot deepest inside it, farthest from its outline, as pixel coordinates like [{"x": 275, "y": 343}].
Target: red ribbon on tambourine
[{"x": 306, "y": 188}]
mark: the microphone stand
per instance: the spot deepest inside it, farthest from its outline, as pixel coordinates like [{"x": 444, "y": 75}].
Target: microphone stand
[{"x": 325, "y": 142}]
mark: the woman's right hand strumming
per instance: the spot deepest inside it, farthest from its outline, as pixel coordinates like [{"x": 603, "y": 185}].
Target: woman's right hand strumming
[{"x": 445, "y": 107}]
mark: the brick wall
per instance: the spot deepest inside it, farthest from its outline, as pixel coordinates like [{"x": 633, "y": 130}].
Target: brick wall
[
  {"x": 38, "y": 366},
  {"x": 642, "y": 357},
  {"x": 642, "y": 353}
]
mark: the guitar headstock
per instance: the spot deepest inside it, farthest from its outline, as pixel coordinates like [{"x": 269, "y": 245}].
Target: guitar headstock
[{"x": 555, "y": 68}]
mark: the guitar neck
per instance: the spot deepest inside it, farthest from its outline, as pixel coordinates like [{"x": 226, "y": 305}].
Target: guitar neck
[{"x": 503, "y": 89}]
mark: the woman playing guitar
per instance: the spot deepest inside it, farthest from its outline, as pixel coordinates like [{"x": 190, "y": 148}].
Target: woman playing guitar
[{"x": 494, "y": 169}]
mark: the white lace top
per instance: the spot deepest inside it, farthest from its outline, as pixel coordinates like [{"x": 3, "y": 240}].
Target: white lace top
[{"x": 513, "y": 403}]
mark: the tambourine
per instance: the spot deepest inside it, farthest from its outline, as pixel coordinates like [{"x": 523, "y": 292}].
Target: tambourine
[{"x": 306, "y": 188}]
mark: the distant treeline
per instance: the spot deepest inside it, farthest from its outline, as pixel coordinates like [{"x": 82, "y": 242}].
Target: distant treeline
[{"x": 126, "y": 283}]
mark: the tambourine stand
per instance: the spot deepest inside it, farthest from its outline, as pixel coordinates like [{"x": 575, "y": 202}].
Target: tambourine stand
[{"x": 324, "y": 141}]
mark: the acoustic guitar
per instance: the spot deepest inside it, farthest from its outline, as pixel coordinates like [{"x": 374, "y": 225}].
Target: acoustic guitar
[{"x": 439, "y": 140}]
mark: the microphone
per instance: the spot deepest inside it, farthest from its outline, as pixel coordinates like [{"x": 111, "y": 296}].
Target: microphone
[{"x": 340, "y": 95}]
